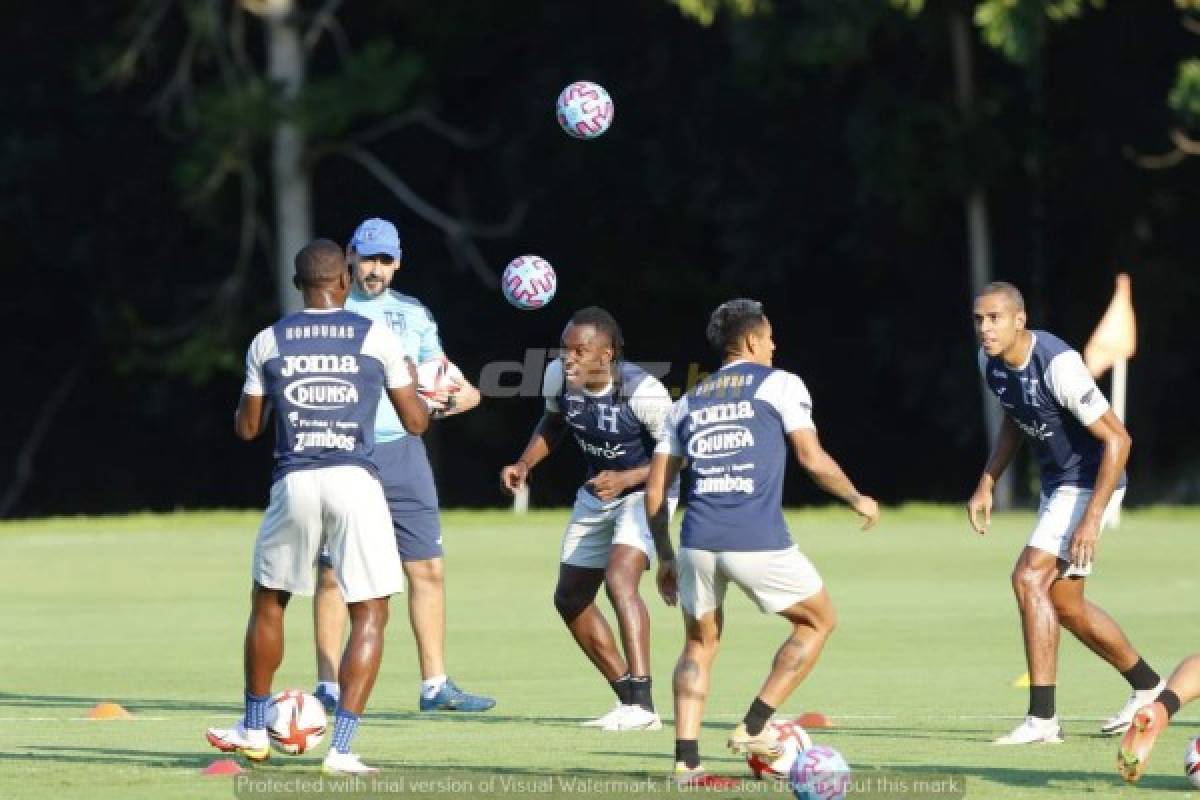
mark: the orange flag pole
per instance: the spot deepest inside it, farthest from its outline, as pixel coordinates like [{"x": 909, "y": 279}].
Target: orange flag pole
[{"x": 1112, "y": 344}]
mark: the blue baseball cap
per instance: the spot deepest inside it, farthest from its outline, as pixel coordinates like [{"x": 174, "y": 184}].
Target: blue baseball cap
[{"x": 376, "y": 237}]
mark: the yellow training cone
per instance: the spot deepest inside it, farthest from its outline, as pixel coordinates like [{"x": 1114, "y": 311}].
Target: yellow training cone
[
  {"x": 1022, "y": 681},
  {"x": 109, "y": 711}
]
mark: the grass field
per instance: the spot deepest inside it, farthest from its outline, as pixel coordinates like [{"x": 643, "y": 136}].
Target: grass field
[{"x": 149, "y": 611}]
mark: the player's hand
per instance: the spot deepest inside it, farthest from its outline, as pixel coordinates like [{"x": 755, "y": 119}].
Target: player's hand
[
  {"x": 867, "y": 508},
  {"x": 980, "y": 504},
  {"x": 513, "y": 477},
  {"x": 609, "y": 484},
  {"x": 1083, "y": 543},
  {"x": 668, "y": 581}
]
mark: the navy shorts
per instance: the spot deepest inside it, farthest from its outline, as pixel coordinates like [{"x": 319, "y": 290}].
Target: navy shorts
[{"x": 411, "y": 497}]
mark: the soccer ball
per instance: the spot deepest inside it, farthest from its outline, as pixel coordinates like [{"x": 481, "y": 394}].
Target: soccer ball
[
  {"x": 820, "y": 773},
  {"x": 529, "y": 282},
  {"x": 295, "y": 722},
  {"x": 1191, "y": 762},
  {"x": 436, "y": 376},
  {"x": 584, "y": 110},
  {"x": 794, "y": 740}
]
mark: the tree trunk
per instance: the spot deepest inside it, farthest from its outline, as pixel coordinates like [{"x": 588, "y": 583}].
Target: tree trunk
[
  {"x": 979, "y": 248},
  {"x": 292, "y": 189}
]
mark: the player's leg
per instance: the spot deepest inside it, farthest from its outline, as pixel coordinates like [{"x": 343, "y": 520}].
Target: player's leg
[
  {"x": 329, "y": 632},
  {"x": 575, "y": 601},
  {"x": 412, "y": 499},
  {"x": 586, "y": 544},
  {"x": 780, "y": 582},
  {"x": 1087, "y": 621},
  {"x": 701, "y": 596},
  {"x": 1092, "y": 626},
  {"x": 629, "y": 556},
  {"x": 284, "y": 552},
  {"x": 1033, "y": 575},
  {"x": 1149, "y": 721},
  {"x": 368, "y": 571}
]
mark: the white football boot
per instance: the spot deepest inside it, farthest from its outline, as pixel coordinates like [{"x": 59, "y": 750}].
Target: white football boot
[
  {"x": 238, "y": 739},
  {"x": 604, "y": 720},
  {"x": 1034, "y": 730},
  {"x": 633, "y": 718},
  {"x": 336, "y": 763},
  {"x": 1121, "y": 721}
]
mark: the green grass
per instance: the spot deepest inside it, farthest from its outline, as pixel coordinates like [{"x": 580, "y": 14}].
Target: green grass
[{"x": 149, "y": 610}]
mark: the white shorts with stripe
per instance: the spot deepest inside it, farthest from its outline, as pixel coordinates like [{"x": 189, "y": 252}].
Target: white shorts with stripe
[
  {"x": 342, "y": 507},
  {"x": 596, "y": 525},
  {"x": 773, "y": 579},
  {"x": 1058, "y": 515}
]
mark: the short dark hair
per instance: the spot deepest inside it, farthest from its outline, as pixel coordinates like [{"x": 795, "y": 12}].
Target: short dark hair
[
  {"x": 604, "y": 322},
  {"x": 731, "y": 321},
  {"x": 1008, "y": 290},
  {"x": 318, "y": 264}
]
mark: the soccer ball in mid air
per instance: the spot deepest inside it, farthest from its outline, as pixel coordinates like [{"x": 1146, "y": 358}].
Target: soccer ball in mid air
[
  {"x": 295, "y": 722},
  {"x": 529, "y": 282},
  {"x": 820, "y": 773},
  {"x": 435, "y": 377},
  {"x": 584, "y": 110},
  {"x": 794, "y": 740},
  {"x": 1191, "y": 762}
]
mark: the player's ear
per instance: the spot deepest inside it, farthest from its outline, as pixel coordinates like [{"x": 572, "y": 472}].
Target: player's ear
[{"x": 1020, "y": 320}]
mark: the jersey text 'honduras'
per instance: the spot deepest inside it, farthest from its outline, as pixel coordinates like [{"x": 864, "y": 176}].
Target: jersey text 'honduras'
[{"x": 324, "y": 372}]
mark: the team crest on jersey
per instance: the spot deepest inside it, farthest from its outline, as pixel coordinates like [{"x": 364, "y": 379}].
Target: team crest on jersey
[
  {"x": 395, "y": 321},
  {"x": 1029, "y": 387}
]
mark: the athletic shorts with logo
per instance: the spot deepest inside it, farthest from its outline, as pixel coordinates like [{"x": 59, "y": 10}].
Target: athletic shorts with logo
[
  {"x": 596, "y": 525},
  {"x": 340, "y": 508}
]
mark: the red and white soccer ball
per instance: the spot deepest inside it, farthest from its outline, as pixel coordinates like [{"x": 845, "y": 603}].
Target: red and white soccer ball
[
  {"x": 529, "y": 282},
  {"x": 1191, "y": 762},
  {"x": 584, "y": 110},
  {"x": 295, "y": 722},
  {"x": 436, "y": 377},
  {"x": 794, "y": 740}
]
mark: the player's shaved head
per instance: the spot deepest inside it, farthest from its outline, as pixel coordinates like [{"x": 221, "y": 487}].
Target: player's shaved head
[
  {"x": 1007, "y": 290},
  {"x": 319, "y": 263},
  {"x": 732, "y": 321}
]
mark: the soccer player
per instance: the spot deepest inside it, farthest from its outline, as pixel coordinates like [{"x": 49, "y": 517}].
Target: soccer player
[
  {"x": 1081, "y": 446},
  {"x": 374, "y": 254},
  {"x": 323, "y": 370},
  {"x": 735, "y": 429},
  {"x": 615, "y": 410},
  {"x": 1182, "y": 688}
]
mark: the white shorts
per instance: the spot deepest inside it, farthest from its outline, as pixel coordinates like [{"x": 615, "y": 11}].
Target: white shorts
[
  {"x": 342, "y": 507},
  {"x": 1058, "y": 515},
  {"x": 595, "y": 526},
  {"x": 773, "y": 579}
]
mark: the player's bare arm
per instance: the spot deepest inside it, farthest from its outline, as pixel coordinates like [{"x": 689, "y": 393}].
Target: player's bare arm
[
  {"x": 828, "y": 474},
  {"x": 411, "y": 409},
  {"x": 546, "y": 436},
  {"x": 250, "y": 418},
  {"x": 662, "y": 471},
  {"x": 609, "y": 484},
  {"x": 1008, "y": 439},
  {"x": 1117, "y": 444}
]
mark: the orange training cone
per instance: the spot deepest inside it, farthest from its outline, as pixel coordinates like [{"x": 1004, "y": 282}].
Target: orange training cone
[
  {"x": 814, "y": 719},
  {"x": 223, "y": 766},
  {"x": 109, "y": 711}
]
